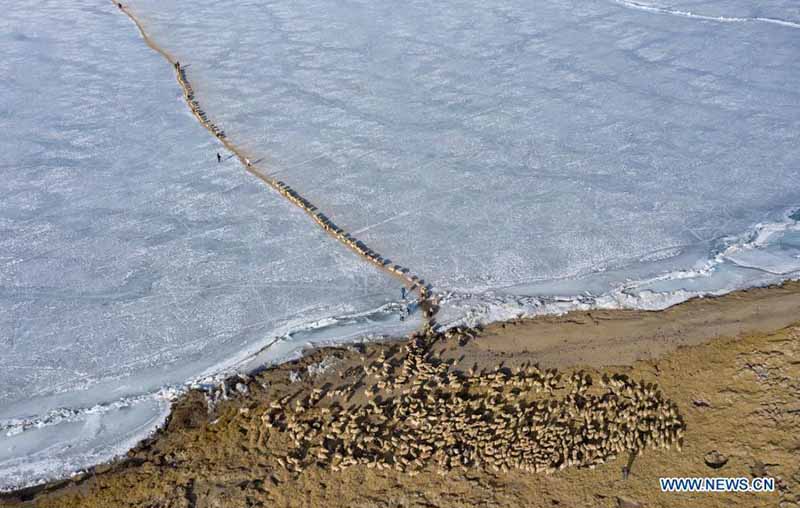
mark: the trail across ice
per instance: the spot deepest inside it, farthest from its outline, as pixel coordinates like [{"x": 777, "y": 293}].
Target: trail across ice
[{"x": 412, "y": 281}]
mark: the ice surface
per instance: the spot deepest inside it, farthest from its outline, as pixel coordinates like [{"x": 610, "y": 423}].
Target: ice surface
[
  {"x": 524, "y": 157},
  {"x": 130, "y": 260}
]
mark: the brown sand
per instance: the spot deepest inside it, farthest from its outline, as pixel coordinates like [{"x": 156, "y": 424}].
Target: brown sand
[
  {"x": 736, "y": 385},
  {"x": 601, "y": 338}
]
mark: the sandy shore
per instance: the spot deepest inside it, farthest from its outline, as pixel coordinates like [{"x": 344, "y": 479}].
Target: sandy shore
[
  {"x": 716, "y": 374},
  {"x": 621, "y": 337}
]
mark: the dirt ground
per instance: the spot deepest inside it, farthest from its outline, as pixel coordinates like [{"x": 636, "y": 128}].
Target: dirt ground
[{"x": 730, "y": 365}]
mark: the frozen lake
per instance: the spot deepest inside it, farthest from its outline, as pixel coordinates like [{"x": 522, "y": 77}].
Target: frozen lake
[
  {"x": 130, "y": 260},
  {"x": 523, "y": 157},
  {"x": 518, "y": 149}
]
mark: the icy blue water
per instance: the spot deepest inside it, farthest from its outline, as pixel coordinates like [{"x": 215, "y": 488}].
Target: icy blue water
[{"x": 522, "y": 156}]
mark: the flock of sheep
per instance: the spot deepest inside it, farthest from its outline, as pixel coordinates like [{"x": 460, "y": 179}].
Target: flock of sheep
[{"x": 420, "y": 412}]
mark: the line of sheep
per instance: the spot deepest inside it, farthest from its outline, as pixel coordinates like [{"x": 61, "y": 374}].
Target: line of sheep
[{"x": 412, "y": 281}]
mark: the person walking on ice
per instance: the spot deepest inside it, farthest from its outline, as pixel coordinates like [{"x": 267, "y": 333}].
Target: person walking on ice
[{"x": 219, "y": 158}]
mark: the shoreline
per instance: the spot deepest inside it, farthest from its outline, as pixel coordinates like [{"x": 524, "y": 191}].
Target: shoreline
[
  {"x": 620, "y": 339},
  {"x": 600, "y": 338}
]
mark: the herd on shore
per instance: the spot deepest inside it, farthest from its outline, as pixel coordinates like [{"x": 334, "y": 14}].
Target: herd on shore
[{"x": 419, "y": 411}]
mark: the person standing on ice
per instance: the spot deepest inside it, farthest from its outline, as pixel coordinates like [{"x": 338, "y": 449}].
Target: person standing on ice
[
  {"x": 219, "y": 158},
  {"x": 404, "y": 309}
]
